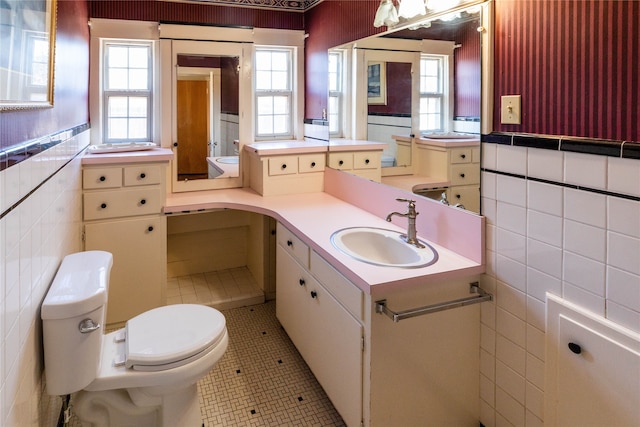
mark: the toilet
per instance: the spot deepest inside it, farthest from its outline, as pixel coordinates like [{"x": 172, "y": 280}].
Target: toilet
[{"x": 144, "y": 374}]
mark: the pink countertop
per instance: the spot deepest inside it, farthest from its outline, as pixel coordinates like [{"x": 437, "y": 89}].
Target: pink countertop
[
  {"x": 449, "y": 143},
  {"x": 276, "y": 148},
  {"x": 355, "y": 145},
  {"x": 413, "y": 183},
  {"x": 153, "y": 155},
  {"x": 307, "y": 216}
]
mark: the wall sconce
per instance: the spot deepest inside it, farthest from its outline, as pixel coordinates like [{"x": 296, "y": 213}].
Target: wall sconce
[{"x": 386, "y": 14}]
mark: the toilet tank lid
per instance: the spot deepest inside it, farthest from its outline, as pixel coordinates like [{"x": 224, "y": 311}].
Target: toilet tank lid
[{"x": 80, "y": 285}]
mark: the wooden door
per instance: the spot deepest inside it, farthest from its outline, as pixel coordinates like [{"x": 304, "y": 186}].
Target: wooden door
[{"x": 193, "y": 128}]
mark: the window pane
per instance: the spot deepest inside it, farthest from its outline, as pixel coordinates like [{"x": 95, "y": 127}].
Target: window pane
[
  {"x": 265, "y": 105},
  {"x": 118, "y": 56},
  {"x": 138, "y": 79},
  {"x": 279, "y": 80},
  {"x": 117, "y": 128},
  {"x": 138, "y": 107},
  {"x": 138, "y": 57},
  {"x": 137, "y": 128},
  {"x": 430, "y": 84},
  {"x": 263, "y": 80},
  {"x": 280, "y": 124},
  {"x": 263, "y": 60},
  {"x": 265, "y": 125},
  {"x": 117, "y": 106},
  {"x": 280, "y": 61},
  {"x": 117, "y": 79},
  {"x": 280, "y": 104}
]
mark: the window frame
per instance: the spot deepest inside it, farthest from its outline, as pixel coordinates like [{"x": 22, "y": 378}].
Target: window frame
[
  {"x": 106, "y": 94},
  {"x": 440, "y": 95},
  {"x": 289, "y": 93},
  {"x": 335, "y": 123}
]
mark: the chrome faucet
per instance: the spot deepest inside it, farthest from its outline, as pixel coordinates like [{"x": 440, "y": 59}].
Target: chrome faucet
[{"x": 411, "y": 236}]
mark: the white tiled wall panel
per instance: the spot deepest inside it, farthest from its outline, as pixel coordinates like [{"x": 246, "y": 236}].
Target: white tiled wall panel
[
  {"x": 41, "y": 197},
  {"x": 546, "y": 235}
]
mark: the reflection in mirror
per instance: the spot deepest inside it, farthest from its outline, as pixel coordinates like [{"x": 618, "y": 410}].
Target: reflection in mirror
[{"x": 207, "y": 117}]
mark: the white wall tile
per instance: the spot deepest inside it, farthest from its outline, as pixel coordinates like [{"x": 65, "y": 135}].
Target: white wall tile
[
  {"x": 585, "y": 170},
  {"x": 586, "y": 207},
  {"x": 511, "y": 190},
  {"x": 487, "y": 390},
  {"x": 511, "y": 328},
  {"x": 623, "y": 316},
  {"x": 511, "y": 354},
  {"x": 623, "y": 288},
  {"x": 544, "y": 227},
  {"x": 512, "y": 159},
  {"x": 535, "y": 342},
  {"x": 623, "y": 176},
  {"x": 510, "y": 381},
  {"x": 489, "y": 156},
  {"x": 585, "y": 273},
  {"x": 535, "y": 371},
  {"x": 624, "y": 252},
  {"x": 511, "y": 245},
  {"x": 509, "y": 408},
  {"x": 512, "y": 300},
  {"x": 539, "y": 283},
  {"x": 544, "y": 257},
  {"x": 489, "y": 185},
  {"x": 511, "y": 217},
  {"x": 623, "y": 216},
  {"x": 511, "y": 272},
  {"x": 545, "y": 198},
  {"x": 536, "y": 313},
  {"x": 488, "y": 364},
  {"x": 546, "y": 164},
  {"x": 584, "y": 298},
  {"x": 585, "y": 240}
]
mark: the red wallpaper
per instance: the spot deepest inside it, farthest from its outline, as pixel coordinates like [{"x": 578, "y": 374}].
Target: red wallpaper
[
  {"x": 575, "y": 63},
  {"x": 71, "y": 82},
  {"x": 192, "y": 13}
]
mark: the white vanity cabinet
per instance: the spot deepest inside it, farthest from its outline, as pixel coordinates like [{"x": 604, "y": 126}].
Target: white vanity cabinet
[
  {"x": 378, "y": 373},
  {"x": 459, "y": 165},
  {"x": 367, "y": 164},
  {"x": 324, "y": 331},
  {"x": 272, "y": 175},
  {"x": 122, "y": 212}
]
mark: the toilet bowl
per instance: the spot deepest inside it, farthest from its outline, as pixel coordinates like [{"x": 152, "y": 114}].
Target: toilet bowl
[{"x": 144, "y": 374}]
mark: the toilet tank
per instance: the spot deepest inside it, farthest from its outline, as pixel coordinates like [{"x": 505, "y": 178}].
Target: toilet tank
[{"x": 78, "y": 292}]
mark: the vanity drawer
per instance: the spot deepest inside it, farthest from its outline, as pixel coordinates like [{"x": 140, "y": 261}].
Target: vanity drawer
[
  {"x": 101, "y": 178},
  {"x": 342, "y": 289},
  {"x": 283, "y": 165},
  {"x": 464, "y": 174},
  {"x": 461, "y": 155},
  {"x": 468, "y": 196},
  {"x": 367, "y": 160},
  {"x": 121, "y": 203},
  {"x": 142, "y": 175},
  {"x": 311, "y": 163},
  {"x": 293, "y": 245},
  {"x": 341, "y": 160}
]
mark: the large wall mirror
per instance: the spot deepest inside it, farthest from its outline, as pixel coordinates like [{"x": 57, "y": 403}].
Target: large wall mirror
[
  {"x": 207, "y": 84},
  {"x": 397, "y": 75}
]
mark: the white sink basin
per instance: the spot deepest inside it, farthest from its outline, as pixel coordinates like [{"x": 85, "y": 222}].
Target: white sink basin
[{"x": 382, "y": 247}]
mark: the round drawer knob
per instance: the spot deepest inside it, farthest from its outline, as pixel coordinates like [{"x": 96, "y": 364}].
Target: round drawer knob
[
  {"x": 175, "y": 144},
  {"x": 313, "y": 164},
  {"x": 289, "y": 243},
  {"x": 366, "y": 162},
  {"x": 463, "y": 156},
  {"x": 143, "y": 201},
  {"x": 461, "y": 175},
  {"x": 575, "y": 348},
  {"x": 341, "y": 162},
  {"x": 302, "y": 283},
  {"x": 314, "y": 294},
  {"x": 150, "y": 228},
  {"x": 284, "y": 166},
  {"x": 103, "y": 178},
  {"x": 458, "y": 196},
  {"x": 103, "y": 206},
  {"x": 143, "y": 175}
]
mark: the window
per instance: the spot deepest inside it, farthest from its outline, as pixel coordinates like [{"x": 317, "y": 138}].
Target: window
[
  {"x": 335, "y": 93},
  {"x": 432, "y": 90},
  {"x": 274, "y": 94},
  {"x": 127, "y": 91}
]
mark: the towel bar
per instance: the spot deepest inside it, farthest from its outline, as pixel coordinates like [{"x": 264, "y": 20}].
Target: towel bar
[{"x": 474, "y": 288}]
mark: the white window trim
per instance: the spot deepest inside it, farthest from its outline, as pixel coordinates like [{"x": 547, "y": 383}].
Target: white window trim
[
  {"x": 120, "y": 30},
  {"x": 289, "y": 93},
  {"x": 445, "y": 49}
]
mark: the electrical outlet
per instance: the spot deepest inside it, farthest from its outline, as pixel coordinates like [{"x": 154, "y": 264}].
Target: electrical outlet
[{"x": 510, "y": 110}]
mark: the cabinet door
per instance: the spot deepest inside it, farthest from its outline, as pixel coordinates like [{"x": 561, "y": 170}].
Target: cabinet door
[
  {"x": 326, "y": 335},
  {"x": 139, "y": 263}
]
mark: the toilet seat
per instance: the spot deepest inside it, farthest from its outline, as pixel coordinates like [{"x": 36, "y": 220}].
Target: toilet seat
[{"x": 171, "y": 336}]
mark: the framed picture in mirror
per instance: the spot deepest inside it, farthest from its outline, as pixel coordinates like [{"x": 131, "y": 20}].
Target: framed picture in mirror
[
  {"x": 377, "y": 83},
  {"x": 26, "y": 59}
]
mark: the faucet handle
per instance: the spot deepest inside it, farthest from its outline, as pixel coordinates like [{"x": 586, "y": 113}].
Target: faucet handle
[{"x": 412, "y": 203}]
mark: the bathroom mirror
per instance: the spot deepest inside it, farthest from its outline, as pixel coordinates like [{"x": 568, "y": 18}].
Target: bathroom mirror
[
  {"x": 460, "y": 37},
  {"x": 206, "y": 86}
]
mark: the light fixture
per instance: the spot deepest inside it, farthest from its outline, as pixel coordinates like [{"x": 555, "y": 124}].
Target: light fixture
[
  {"x": 386, "y": 14},
  {"x": 410, "y": 8}
]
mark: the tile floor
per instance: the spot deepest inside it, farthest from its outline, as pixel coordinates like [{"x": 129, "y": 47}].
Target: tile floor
[
  {"x": 222, "y": 289},
  {"x": 261, "y": 380}
]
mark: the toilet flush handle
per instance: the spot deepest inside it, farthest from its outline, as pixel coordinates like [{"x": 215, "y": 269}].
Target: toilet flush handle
[{"x": 88, "y": 325}]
